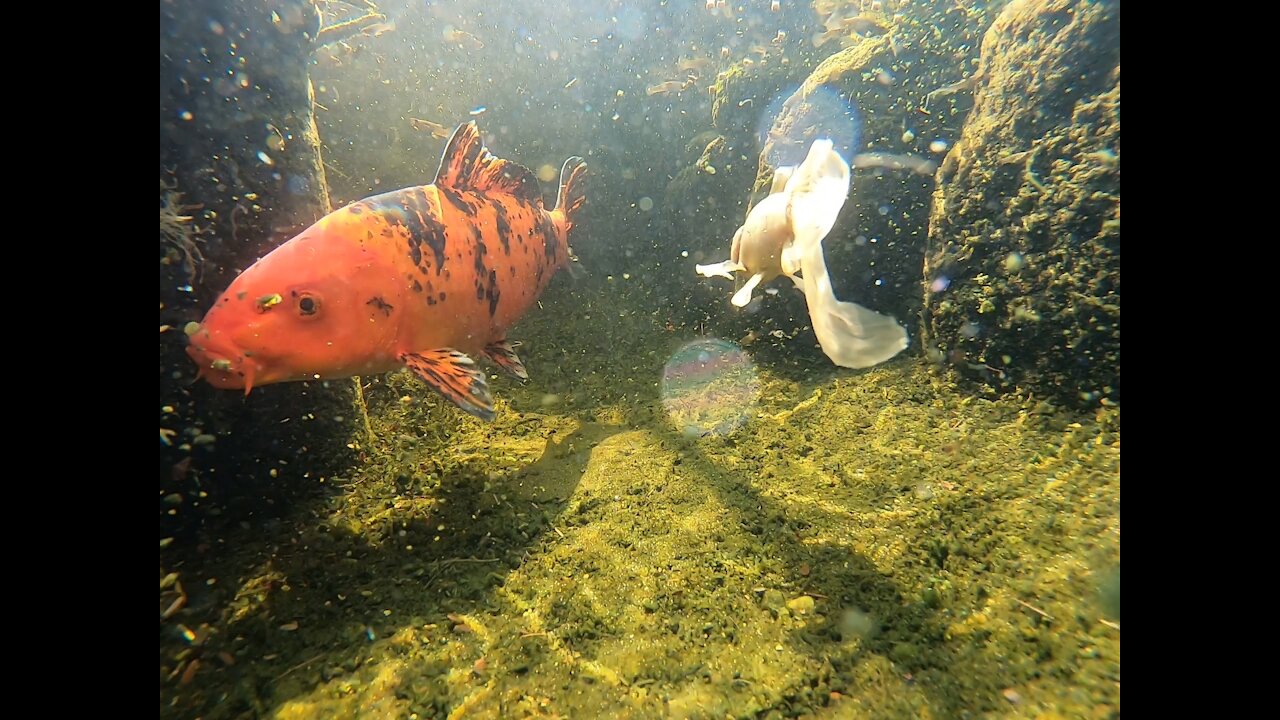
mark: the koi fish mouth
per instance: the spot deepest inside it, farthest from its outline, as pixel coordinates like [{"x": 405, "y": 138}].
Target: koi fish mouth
[{"x": 222, "y": 367}]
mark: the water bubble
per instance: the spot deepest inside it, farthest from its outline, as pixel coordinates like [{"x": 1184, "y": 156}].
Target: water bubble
[
  {"x": 824, "y": 112},
  {"x": 709, "y": 386}
]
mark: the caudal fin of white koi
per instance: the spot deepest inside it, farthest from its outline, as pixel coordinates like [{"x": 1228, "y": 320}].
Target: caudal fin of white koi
[
  {"x": 816, "y": 192},
  {"x": 851, "y": 335}
]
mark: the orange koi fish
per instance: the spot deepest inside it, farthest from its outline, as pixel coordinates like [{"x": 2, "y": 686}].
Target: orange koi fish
[{"x": 425, "y": 277}]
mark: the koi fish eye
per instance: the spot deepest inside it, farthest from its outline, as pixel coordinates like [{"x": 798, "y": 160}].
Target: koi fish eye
[{"x": 308, "y": 304}]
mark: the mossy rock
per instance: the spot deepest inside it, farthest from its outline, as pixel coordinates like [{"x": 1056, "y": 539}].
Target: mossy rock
[{"x": 1022, "y": 276}]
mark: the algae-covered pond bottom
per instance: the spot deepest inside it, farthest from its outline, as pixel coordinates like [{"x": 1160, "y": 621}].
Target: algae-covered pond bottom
[{"x": 866, "y": 544}]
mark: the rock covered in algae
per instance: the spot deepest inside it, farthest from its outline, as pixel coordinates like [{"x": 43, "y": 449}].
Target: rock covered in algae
[
  {"x": 1022, "y": 272},
  {"x": 242, "y": 149}
]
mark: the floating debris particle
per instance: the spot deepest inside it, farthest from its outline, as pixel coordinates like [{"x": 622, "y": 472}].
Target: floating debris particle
[
  {"x": 190, "y": 673},
  {"x": 437, "y": 130}
]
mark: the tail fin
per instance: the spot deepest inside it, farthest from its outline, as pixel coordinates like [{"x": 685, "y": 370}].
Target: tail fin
[
  {"x": 817, "y": 191},
  {"x": 573, "y": 191},
  {"x": 851, "y": 335}
]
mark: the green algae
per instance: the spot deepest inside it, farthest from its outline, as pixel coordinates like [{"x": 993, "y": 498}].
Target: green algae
[
  {"x": 1025, "y": 224},
  {"x": 579, "y": 556}
]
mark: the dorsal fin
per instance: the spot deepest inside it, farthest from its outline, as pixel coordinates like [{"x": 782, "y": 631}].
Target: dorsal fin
[{"x": 468, "y": 165}]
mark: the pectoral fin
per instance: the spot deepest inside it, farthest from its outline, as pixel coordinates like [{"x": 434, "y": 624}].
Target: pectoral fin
[
  {"x": 503, "y": 354},
  {"x": 743, "y": 296},
  {"x": 455, "y": 376},
  {"x": 721, "y": 269}
]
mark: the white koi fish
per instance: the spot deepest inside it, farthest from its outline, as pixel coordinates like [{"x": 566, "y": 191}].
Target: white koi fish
[{"x": 783, "y": 236}]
